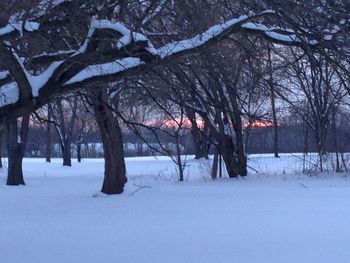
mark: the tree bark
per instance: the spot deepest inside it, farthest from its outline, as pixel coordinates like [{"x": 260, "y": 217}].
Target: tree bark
[
  {"x": 214, "y": 169},
  {"x": 273, "y": 108},
  {"x": 227, "y": 151},
  {"x": 17, "y": 140},
  {"x": 65, "y": 130},
  {"x": 48, "y": 134},
  {"x": 237, "y": 120},
  {"x": 178, "y": 157},
  {"x": 1, "y": 142},
  {"x": 66, "y": 153},
  {"x": 79, "y": 152},
  {"x": 199, "y": 140},
  {"x": 115, "y": 171},
  {"x": 275, "y": 126}
]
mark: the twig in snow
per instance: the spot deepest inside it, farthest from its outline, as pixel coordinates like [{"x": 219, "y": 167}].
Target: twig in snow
[{"x": 140, "y": 188}]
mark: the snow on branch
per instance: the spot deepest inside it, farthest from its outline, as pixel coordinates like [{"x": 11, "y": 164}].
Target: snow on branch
[
  {"x": 36, "y": 82},
  {"x": 200, "y": 39},
  {"x": 280, "y": 35},
  {"x": 105, "y": 69},
  {"x": 39, "y": 81},
  {"x": 154, "y": 13},
  {"x": 19, "y": 26},
  {"x": 127, "y": 35},
  {"x": 54, "y": 56},
  {"x": 4, "y": 74},
  {"x": 111, "y": 71},
  {"x": 165, "y": 52},
  {"x": 9, "y": 94}
]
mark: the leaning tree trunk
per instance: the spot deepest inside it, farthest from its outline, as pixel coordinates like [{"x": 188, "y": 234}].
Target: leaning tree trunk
[
  {"x": 115, "y": 171},
  {"x": 227, "y": 151},
  {"x": 17, "y": 140}
]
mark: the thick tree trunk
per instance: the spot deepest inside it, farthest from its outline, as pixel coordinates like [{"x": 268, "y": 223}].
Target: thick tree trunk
[
  {"x": 115, "y": 171},
  {"x": 241, "y": 157},
  {"x": 200, "y": 145},
  {"x": 66, "y": 153},
  {"x": 227, "y": 151},
  {"x": 17, "y": 140}
]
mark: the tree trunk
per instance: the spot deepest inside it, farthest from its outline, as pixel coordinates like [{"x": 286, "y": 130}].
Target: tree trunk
[
  {"x": 199, "y": 140},
  {"x": 115, "y": 171},
  {"x": 65, "y": 130},
  {"x": 275, "y": 126},
  {"x": 48, "y": 134},
  {"x": 306, "y": 140},
  {"x": 79, "y": 152},
  {"x": 227, "y": 151},
  {"x": 214, "y": 169},
  {"x": 66, "y": 153},
  {"x": 178, "y": 157},
  {"x": 336, "y": 149},
  {"x": 0, "y": 151},
  {"x": 241, "y": 157},
  {"x": 17, "y": 140},
  {"x": 1, "y": 142},
  {"x": 273, "y": 108}
]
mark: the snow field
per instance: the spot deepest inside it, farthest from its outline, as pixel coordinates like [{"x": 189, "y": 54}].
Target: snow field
[{"x": 274, "y": 216}]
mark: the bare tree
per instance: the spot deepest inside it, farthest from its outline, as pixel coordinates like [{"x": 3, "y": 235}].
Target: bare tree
[
  {"x": 65, "y": 116},
  {"x": 42, "y": 58},
  {"x": 318, "y": 90}
]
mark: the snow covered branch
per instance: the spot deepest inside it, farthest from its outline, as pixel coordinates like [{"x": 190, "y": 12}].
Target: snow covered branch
[{"x": 110, "y": 51}]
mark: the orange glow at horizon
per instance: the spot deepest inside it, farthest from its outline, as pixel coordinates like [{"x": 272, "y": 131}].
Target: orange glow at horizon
[
  {"x": 258, "y": 124},
  {"x": 186, "y": 123},
  {"x": 174, "y": 123}
]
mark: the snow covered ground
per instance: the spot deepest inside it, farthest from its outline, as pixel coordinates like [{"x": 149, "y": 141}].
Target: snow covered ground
[{"x": 276, "y": 215}]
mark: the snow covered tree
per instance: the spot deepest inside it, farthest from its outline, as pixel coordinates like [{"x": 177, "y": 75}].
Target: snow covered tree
[{"x": 53, "y": 47}]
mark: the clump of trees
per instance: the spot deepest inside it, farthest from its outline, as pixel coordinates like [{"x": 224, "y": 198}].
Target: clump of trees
[{"x": 218, "y": 61}]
